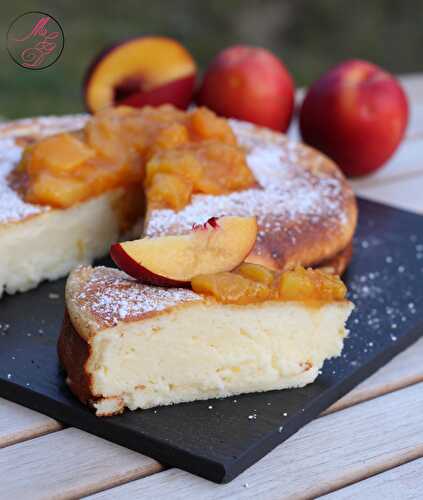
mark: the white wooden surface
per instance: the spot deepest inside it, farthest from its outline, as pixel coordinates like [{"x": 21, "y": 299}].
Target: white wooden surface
[
  {"x": 401, "y": 483},
  {"x": 18, "y": 423},
  {"x": 67, "y": 464},
  {"x": 368, "y": 445},
  {"x": 328, "y": 453}
]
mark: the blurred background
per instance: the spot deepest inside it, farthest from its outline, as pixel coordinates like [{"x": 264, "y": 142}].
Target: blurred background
[{"x": 310, "y": 36}]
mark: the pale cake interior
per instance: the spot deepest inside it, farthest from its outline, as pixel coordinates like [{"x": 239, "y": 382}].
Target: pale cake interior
[
  {"x": 209, "y": 350},
  {"x": 51, "y": 244}
]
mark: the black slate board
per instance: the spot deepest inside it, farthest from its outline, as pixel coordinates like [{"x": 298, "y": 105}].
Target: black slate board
[{"x": 218, "y": 439}]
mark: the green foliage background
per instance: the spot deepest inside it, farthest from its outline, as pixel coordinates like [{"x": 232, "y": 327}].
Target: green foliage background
[{"x": 309, "y": 35}]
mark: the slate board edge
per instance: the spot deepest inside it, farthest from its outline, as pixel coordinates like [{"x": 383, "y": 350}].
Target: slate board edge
[
  {"x": 83, "y": 419},
  {"x": 318, "y": 405}
]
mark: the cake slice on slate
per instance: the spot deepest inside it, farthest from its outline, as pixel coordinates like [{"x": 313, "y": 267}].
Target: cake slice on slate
[{"x": 127, "y": 344}]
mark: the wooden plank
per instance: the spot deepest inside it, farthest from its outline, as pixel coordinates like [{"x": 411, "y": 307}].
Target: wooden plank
[
  {"x": 415, "y": 125},
  {"x": 329, "y": 453},
  {"x": 405, "y": 164},
  {"x": 405, "y": 193},
  {"x": 403, "y": 482},
  {"x": 413, "y": 85},
  {"x": 404, "y": 370},
  {"x": 68, "y": 464},
  {"x": 18, "y": 423}
]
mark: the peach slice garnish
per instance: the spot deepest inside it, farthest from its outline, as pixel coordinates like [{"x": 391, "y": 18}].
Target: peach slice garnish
[
  {"x": 219, "y": 245},
  {"x": 142, "y": 71}
]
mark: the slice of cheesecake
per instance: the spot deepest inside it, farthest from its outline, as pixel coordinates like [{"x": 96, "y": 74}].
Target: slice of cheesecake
[{"x": 126, "y": 344}]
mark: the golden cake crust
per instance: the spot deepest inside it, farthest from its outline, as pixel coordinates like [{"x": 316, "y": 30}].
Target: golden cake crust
[{"x": 73, "y": 352}]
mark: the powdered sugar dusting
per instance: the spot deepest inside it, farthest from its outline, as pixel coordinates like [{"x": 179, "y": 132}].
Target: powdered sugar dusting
[
  {"x": 112, "y": 296},
  {"x": 42, "y": 126},
  {"x": 297, "y": 192},
  {"x": 12, "y": 207}
]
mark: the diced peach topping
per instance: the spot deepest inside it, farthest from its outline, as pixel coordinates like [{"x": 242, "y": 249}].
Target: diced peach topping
[
  {"x": 251, "y": 283},
  {"x": 168, "y": 190},
  {"x": 58, "y": 154},
  {"x": 182, "y": 153},
  {"x": 171, "y": 137},
  {"x": 210, "y": 167},
  {"x": 55, "y": 183},
  {"x": 204, "y": 124},
  {"x": 311, "y": 284},
  {"x": 230, "y": 288},
  {"x": 256, "y": 272}
]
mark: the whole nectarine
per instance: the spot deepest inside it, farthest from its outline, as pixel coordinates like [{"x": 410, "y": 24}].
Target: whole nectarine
[
  {"x": 251, "y": 84},
  {"x": 356, "y": 114},
  {"x": 141, "y": 71}
]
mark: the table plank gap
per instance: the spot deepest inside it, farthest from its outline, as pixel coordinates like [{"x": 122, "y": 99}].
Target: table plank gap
[
  {"x": 18, "y": 423},
  {"x": 400, "y": 482},
  {"x": 405, "y": 194},
  {"x": 67, "y": 464},
  {"x": 320, "y": 458},
  {"x": 412, "y": 174}
]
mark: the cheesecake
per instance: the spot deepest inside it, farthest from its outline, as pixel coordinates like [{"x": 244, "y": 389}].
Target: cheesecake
[
  {"x": 125, "y": 344},
  {"x": 190, "y": 166}
]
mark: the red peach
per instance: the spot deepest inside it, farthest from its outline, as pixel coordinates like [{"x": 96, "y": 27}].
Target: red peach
[
  {"x": 356, "y": 114},
  {"x": 251, "y": 84}
]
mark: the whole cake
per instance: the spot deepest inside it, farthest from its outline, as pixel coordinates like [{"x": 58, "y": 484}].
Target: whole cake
[{"x": 305, "y": 209}]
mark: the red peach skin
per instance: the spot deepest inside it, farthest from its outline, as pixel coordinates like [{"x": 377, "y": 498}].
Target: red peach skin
[
  {"x": 356, "y": 114},
  {"x": 251, "y": 84}
]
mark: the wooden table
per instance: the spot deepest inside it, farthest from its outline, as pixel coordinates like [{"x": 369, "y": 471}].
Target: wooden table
[{"x": 368, "y": 445}]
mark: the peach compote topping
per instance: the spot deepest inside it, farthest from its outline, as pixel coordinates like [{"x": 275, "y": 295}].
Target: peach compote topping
[
  {"x": 204, "y": 167},
  {"x": 252, "y": 283},
  {"x": 179, "y": 153}
]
